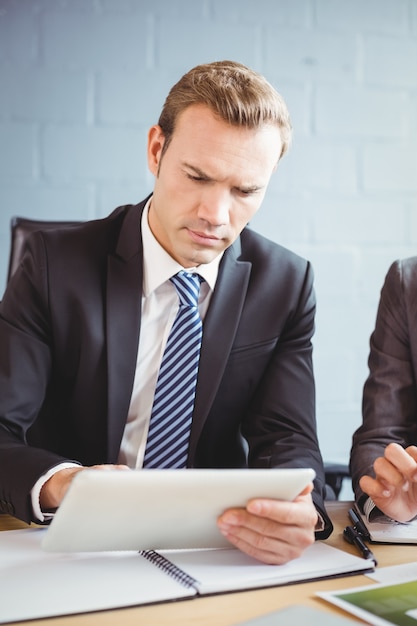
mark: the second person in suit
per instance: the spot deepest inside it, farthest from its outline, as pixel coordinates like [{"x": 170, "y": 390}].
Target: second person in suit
[{"x": 384, "y": 450}]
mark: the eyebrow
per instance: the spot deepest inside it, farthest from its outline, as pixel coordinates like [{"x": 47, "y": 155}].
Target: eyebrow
[
  {"x": 206, "y": 177},
  {"x": 197, "y": 171}
]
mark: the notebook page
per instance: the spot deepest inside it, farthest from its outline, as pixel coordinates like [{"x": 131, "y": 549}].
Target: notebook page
[
  {"x": 62, "y": 584},
  {"x": 226, "y": 569}
]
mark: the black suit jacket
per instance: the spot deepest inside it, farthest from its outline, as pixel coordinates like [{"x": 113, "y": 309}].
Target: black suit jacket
[{"x": 69, "y": 329}]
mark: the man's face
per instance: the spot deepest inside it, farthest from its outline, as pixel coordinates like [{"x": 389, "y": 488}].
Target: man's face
[{"x": 209, "y": 183}]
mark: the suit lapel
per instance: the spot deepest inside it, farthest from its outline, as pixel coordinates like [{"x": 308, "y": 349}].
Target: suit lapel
[
  {"x": 220, "y": 326},
  {"x": 123, "y": 307},
  {"x": 124, "y": 292}
]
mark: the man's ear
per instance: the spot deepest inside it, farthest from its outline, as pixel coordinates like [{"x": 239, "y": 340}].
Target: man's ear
[{"x": 156, "y": 140}]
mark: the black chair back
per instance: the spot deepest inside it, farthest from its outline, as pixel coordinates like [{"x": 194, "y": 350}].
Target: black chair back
[{"x": 21, "y": 228}]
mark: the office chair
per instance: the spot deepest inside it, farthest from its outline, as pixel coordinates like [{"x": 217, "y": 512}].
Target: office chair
[
  {"x": 21, "y": 228},
  {"x": 335, "y": 474}
]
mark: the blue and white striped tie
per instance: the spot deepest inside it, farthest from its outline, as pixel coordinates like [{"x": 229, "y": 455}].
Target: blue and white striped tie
[{"x": 173, "y": 405}]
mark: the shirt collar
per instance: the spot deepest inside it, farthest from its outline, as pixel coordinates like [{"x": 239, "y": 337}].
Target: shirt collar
[{"x": 159, "y": 266}]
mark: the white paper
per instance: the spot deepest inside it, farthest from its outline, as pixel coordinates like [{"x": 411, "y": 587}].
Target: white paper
[
  {"x": 395, "y": 573},
  {"x": 389, "y": 531},
  {"x": 35, "y": 583},
  {"x": 230, "y": 569}
]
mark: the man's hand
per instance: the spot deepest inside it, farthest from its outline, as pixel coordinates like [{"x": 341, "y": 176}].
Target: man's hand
[
  {"x": 394, "y": 488},
  {"x": 272, "y": 531},
  {"x": 54, "y": 490}
]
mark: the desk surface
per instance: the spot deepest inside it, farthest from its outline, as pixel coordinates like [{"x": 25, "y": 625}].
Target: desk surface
[{"x": 232, "y": 608}]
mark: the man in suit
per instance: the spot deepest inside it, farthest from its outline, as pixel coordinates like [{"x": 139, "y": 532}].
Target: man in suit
[
  {"x": 84, "y": 321},
  {"x": 384, "y": 452}
]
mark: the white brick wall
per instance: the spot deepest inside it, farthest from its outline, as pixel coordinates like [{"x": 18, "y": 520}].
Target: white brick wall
[{"x": 82, "y": 80}]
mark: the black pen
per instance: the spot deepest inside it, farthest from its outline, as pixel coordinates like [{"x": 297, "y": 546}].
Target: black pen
[
  {"x": 358, "y": 524},
  {"x": 353, "y": 536}
]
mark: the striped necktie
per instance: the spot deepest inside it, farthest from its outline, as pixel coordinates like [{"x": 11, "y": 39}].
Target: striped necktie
[{"x": 173, "y": 405}]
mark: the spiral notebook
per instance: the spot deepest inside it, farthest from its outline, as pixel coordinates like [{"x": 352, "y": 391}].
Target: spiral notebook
[
  {"x": 385, "y": 530},
  {"x": 96, "y": 581}
]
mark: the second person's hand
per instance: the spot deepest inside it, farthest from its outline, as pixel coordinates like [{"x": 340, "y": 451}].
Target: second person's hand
[{"x": 394, "y": 488}]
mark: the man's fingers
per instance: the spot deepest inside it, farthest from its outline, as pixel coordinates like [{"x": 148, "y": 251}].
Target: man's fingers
[
  {"x": 271, "y": 550},
  {"x": 388, "y": 474},
  {"x": 401, "y": 459},
  {"x": 412, "y": 451},
  {"x": 54, "y": 490},
  {"x": 265, "y": 539},
  {"x": 272, "y": 531},
  {"x": 397, "y": 469},
  {"x": 374, "y": 488}
]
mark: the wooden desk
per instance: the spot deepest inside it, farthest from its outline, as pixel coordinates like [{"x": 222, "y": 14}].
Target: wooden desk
[{"x": 232, "y": 608}]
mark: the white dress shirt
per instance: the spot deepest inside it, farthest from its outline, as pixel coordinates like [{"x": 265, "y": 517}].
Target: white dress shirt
[{"x": 159, "y": 307}]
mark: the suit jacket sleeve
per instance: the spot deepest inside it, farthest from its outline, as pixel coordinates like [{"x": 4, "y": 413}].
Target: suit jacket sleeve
[
  {"x": 25, "y": 367},
  {"x": 69, "y": 328},
  {"x": 281, "y": 425},
  {"x": 389, "y": 396}
]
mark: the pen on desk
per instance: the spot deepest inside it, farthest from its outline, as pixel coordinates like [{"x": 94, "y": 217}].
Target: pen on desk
[
  {"x": 352, "y": 536},
  {"x": 358, "y": 524}
]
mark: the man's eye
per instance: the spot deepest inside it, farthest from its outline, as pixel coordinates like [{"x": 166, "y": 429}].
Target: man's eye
[
  {"x": 196, "y": 178},
  {"x": 247, "y": 192}
]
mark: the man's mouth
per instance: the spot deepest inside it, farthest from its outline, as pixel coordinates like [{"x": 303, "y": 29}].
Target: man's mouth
[{"x": 203, "y": 238}]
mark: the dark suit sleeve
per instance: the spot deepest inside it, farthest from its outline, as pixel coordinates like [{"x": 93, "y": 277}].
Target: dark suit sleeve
[
  {"x": 389, "y": 396},
  {"x": 25, "y": 365},
  {"x": 281, "y": 424},
  {"x": 58, "y": 401}
]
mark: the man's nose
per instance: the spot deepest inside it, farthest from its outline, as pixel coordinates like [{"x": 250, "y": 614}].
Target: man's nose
[{"x": 215, "y": 207}]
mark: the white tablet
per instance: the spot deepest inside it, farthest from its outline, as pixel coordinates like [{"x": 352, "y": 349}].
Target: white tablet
[{"x": 160, "y": 509}]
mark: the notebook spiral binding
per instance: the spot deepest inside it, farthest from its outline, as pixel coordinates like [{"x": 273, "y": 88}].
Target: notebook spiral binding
[{"x": 169, "y": 568}]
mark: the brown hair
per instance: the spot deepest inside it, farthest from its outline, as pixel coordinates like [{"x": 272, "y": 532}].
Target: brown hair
[{"x": 237, "y": 94}]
